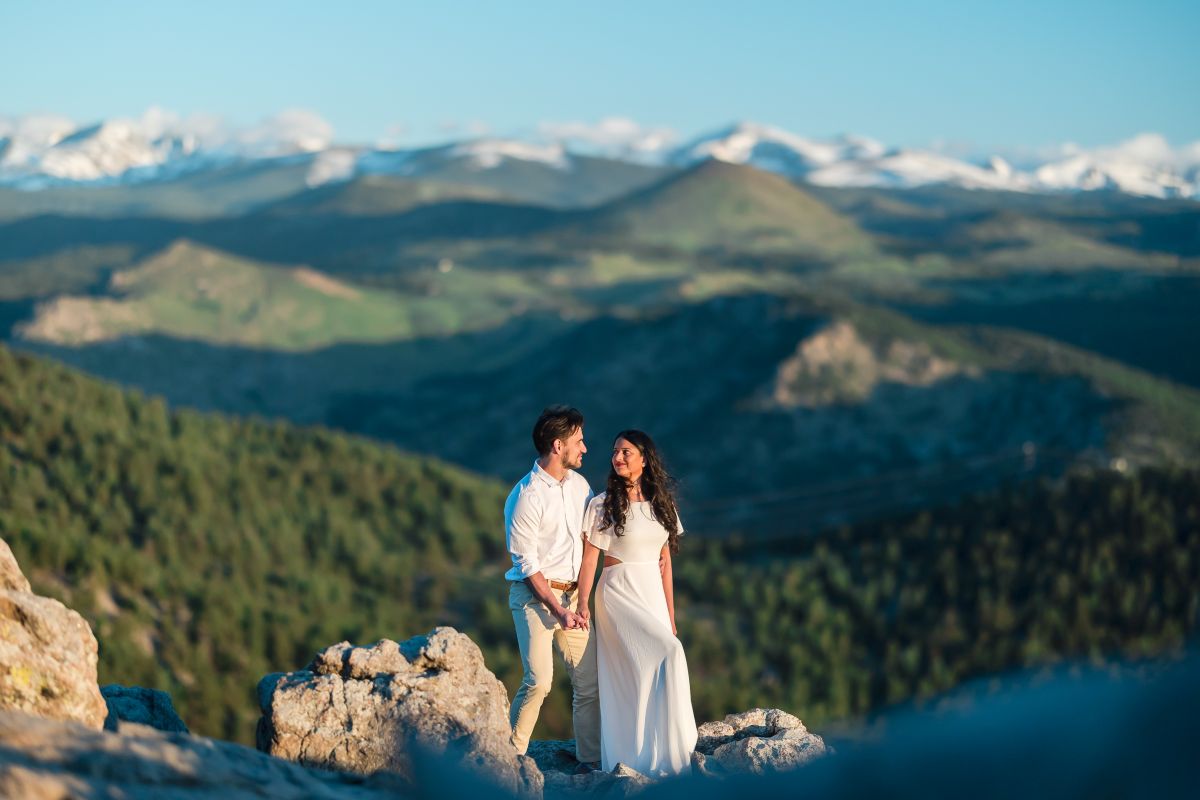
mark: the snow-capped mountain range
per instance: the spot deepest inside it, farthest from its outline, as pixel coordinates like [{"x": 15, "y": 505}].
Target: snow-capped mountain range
[{"x": 39, "y": 151}]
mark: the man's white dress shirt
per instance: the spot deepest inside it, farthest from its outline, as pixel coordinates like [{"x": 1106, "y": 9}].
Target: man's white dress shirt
[{"x": 543, "y": 525}]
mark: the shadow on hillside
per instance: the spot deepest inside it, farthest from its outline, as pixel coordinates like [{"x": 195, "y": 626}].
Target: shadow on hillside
[
  {"x": 746, "y": 464},
  {"x": 318, "y": 239},
  {"x": 1146, "y": 322}
]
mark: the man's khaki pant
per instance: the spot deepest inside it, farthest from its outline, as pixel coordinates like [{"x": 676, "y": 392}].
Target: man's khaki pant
[{"x": 537, "y": 632}]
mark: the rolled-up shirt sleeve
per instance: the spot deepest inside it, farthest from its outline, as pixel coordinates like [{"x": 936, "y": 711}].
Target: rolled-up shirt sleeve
[{"x": 521, "y": 524}]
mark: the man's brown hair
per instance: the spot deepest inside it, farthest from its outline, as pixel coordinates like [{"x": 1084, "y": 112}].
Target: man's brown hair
[{"x": 556, "y": 422}]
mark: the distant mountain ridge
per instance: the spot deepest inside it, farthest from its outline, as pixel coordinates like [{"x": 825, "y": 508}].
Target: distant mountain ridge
[
  {"x": 36, "y": 152},
  {"x": 719, "y": 205}
]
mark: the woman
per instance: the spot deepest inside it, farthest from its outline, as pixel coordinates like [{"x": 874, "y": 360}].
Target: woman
[{"x": 646, "y": 719}]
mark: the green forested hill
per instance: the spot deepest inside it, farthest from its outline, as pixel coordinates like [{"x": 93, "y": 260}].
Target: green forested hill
[
  {"x": 208, "y": 551},
  {"x": 1104, "y": 566},
  {"x": 193, "y": 292},
  {"x": 728, "y": 207}
]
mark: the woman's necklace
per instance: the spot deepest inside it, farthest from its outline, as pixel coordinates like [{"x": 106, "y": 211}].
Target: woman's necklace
[{"x": 635, "y": 493}]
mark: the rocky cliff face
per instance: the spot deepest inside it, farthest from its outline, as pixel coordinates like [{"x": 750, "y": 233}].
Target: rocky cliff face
[
  {"x": 47, "y": 653},
  {"x": 367, "y": 709}
]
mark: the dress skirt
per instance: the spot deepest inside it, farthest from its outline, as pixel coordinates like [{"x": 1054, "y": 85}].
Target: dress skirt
[{"x": 646, "y": 719}]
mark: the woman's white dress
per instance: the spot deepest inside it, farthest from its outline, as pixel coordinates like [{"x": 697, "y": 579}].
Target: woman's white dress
[{"x": 646, "y": 719}]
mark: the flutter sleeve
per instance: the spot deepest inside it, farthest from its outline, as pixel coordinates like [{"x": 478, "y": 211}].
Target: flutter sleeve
[{"x": 591, "y": 524}]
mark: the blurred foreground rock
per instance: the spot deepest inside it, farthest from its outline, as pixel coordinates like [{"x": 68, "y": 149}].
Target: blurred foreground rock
[
  {"x": 47, "y": 653},
  {"x": 134, "y": 704},
  {"x": 760, "y": 741},
  {"x": 44, "y": 759},
  {"x": 372, "y": 709}
]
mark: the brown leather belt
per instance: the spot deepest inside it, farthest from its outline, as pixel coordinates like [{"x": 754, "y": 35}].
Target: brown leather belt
[{"x": 563, "y": 587}]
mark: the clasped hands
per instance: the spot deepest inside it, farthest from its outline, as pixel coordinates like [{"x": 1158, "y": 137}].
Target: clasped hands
[{"x": 573, "y": 620}]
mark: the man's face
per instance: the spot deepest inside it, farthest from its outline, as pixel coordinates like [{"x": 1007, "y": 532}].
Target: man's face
[{"x": 573, "y": 449}]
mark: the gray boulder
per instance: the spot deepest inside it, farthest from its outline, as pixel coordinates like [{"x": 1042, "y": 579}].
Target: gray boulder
[
  {"x": 758, "y": 741},
  {"x": 47, "y": 653},
  {"x": 375, "y": 709},
  {"x": 755, "y": 742},
  {"x": 134, "y": 704},
  {"x": 761, "y": 755},
  {"x": 553, "y": 755},
  {"x": 44, "y": 759},
  {"x": 623, "y": 781}
]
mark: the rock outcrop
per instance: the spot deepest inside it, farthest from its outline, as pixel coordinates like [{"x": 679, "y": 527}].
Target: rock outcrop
[
  {"x": 556, "y": 759},
  {"x": 758, "y": 741},
  {"x": 135, "y": 704},
  {"x": 47, "y": 653},
  {"x": 839, "y": 365},
  {"x": 623, "y": 781},
  {"x": 11, "y": 577},
  {"x": 43, "y": 759},
  {"x": 373, "y": 709}
]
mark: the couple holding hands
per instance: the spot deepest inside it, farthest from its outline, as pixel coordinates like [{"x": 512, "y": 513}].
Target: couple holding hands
[{"x": 631, "y": 697}]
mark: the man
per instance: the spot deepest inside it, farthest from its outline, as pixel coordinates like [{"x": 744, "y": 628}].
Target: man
[{"x": 543, "y": 521}]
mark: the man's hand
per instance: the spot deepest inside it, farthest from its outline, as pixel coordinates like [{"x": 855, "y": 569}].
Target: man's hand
[{"x": 568, "y": 618}]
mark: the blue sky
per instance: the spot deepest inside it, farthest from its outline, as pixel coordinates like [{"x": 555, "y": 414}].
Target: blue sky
[{"x": 1011, "y": 74}]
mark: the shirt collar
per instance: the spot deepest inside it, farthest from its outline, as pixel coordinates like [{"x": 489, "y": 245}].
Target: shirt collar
[{"x": 546, "y": 477}]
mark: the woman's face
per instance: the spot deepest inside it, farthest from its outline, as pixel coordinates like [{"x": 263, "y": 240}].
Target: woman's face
[{"x": 627, "y": 460}]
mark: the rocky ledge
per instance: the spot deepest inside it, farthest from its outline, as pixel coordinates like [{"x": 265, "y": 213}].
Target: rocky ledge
[
  {"x": 371, "y": 709},
  {"x": 356, "y": 722},
  {"x": 43, "y": 759},
  {"x": 755, "y": 742},
  {"x": 47, "y": 653}
]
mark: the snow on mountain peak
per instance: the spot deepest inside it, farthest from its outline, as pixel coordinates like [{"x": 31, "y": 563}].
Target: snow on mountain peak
[
  {"x": 1145, "y": 164},
  {"x": 331, "y": 166},
  {"x": 489, "y": 153},
  {"x": 1001, "y": 167},
  {"x": 762, "y": 146},
  {"x": 292, "y": 131},
  {"x": 612, "y": 137},
  {"x": 777, "y": 150},
  {"x": 36, "y": 130},
  {"x": 46, "y": 149},
  {"x": 41, "y": 149}
]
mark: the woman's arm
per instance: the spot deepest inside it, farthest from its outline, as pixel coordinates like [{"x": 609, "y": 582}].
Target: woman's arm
[
  {"x": 668, "y": 585},
  {"x": 587, "y": 576}
]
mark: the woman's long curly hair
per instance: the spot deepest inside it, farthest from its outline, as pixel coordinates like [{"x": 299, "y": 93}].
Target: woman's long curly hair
[{"x": 657, "y": 486}]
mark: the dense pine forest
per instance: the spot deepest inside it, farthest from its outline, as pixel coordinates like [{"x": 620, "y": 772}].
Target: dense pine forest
[
  {"x": 1101, "y": 567},
  {"x": 207, "y": 551}
]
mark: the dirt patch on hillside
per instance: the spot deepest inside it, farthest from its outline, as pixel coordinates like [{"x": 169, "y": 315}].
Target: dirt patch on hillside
[{"x": 325, "y": 284}]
